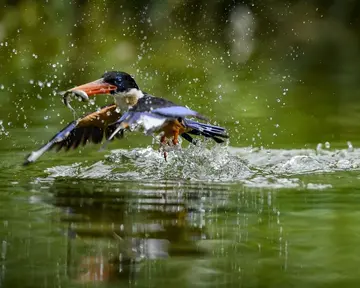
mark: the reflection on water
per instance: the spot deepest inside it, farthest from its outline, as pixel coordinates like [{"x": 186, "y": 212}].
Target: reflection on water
[
  {"x": 70, "y": 231},
  {"x": 112, "y": 230}
]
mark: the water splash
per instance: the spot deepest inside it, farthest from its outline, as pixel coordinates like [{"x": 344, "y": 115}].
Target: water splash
[
  {"x": 195, "y": 163},
  {"x": 269, "y": 168},
  {"x": 300, "y": 161}
]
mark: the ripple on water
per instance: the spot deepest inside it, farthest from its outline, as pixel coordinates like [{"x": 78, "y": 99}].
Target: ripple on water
[{"x": 253, "y": 167}]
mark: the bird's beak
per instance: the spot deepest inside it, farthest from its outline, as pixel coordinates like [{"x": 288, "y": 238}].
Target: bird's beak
[{"x": 94, "y": 88}]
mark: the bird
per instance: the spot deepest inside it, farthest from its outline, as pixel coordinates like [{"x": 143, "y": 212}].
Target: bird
[{"x": 132, "y": 109}]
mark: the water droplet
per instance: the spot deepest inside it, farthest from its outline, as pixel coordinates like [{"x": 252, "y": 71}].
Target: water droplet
[{"x": 319, "y": 147}]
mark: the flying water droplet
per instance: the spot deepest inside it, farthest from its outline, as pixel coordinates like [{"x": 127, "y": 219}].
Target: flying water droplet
[
  {"x": 319, "y": 147},
  {"x": 2, "y": 129}
]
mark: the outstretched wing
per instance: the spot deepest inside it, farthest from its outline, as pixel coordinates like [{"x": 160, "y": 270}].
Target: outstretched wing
[
  {"x": 164, "y": 108},
  {"x": 90, "y": 128},
  {"x": 177, "y": 112}
]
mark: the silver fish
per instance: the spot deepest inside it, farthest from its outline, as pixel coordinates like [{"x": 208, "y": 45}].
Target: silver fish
[{"x": 67, "y": 98}]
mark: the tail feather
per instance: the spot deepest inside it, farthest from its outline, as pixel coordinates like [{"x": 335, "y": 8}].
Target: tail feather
[
  {"x": 187, "y": 137},
  {"x": 207, "y": 130}
]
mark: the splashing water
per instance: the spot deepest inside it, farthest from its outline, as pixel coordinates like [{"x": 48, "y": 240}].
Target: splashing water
[
  {"x": 253, "y": 167},
  {"x": 194, "y": 163}
]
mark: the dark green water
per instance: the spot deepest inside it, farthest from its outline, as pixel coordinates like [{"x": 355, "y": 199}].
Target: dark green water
[{"x": 272, "y": 208}]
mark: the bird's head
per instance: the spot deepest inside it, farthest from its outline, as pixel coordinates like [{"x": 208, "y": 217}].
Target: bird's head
[
  {"x": 112, "y": 82},
  {"x": 121, "y": 80},
  {"x": 119, "y": 84}
]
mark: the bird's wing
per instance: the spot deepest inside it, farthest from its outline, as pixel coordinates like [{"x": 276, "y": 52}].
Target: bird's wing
[
  {"x": 163, "y": 107},
  {"x": 90, "y": 128},
  {"x": 149, "y": 102},
  {"x": 177, "y": 112}
]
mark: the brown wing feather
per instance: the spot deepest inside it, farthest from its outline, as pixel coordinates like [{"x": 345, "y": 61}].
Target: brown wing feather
[
  {"x": 101, "y": 118},
  {"x": 90, "y": 128}
]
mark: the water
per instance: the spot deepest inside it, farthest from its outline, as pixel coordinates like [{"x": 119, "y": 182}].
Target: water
[{"x": 228, "y": 217}]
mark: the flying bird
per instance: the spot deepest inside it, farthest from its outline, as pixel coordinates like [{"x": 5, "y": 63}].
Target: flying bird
[{"x": 132, "y": 109}]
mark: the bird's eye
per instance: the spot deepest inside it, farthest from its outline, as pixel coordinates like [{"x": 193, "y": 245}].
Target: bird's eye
[{"x": 118, "y": 79}]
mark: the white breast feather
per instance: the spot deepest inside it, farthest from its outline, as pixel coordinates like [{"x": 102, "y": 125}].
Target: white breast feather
[{"x": 151, "y": 124}]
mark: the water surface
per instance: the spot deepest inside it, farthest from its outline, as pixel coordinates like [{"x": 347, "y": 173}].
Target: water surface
[{"x": 242, "y": 217}]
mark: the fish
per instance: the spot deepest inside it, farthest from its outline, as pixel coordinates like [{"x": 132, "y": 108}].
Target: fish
[{"x": 67, "y": 98}]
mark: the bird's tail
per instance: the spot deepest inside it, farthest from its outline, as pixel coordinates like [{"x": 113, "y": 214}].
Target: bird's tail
[
  {"x": 217, "y": 133},
  {"x": 60, "y": 136}
]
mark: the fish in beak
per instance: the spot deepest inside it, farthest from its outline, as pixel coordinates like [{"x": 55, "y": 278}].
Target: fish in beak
[{"x": 89, "y": 89}]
